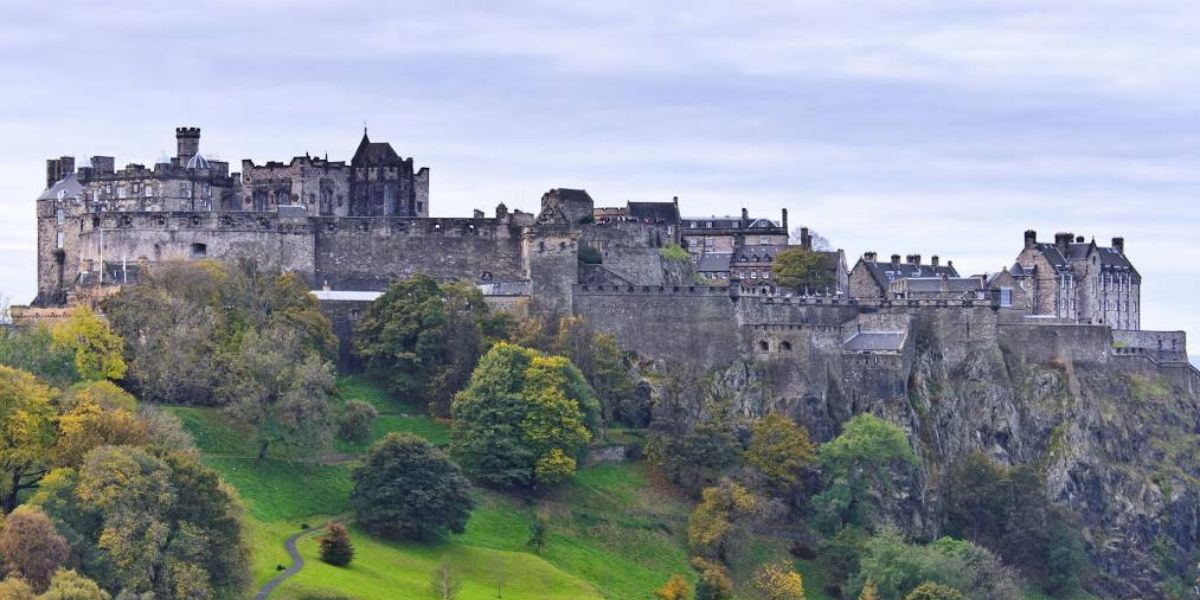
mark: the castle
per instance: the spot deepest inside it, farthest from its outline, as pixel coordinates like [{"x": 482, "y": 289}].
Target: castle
[{"x": 350, "y": 228}]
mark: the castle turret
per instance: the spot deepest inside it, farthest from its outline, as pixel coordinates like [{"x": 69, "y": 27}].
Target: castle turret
[{"x": 187, "y": 140}]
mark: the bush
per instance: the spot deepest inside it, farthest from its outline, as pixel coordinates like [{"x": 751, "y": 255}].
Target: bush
[
  {"x": 407, "y": 488},
  {"x": 354, "y": 425},
  {"x": 674, "y": 253},
  {"x": 336, "y": 548}
]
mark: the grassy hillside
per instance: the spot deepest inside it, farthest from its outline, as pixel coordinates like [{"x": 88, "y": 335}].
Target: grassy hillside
[{"x": 613, "y": 532}]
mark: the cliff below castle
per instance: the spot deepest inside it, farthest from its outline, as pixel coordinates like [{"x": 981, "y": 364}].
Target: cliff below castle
[{"x": 1116, "y": 436}]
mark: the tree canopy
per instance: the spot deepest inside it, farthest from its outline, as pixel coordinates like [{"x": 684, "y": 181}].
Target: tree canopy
[
  {"x": 800, "y": 269},
  {"x": 523, "y": 418},
  {"x": 859, "y": 467},
  {"x": 406, "y": 488}
]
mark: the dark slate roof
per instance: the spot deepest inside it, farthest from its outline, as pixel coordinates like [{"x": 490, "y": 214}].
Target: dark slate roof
[
  {"x": 759, "y": 252},
  {"x": 726, "y": 222},
  {"x": 884, "y": 272},
  {"x": 1053, "y": 256},
  {"x": 875, "y": 341},
  {"x": 571, "y": 195},
  {"x": 655, "y": 212},
  {"x": 934, "y": 284},
  {"x": 1110, "y": 259},
  {"x": 374, "y": 153},
  {"x": 714, "y": 261}
]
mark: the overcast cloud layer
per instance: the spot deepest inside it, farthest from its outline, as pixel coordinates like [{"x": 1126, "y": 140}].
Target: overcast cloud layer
[{"x": 902, "y": 127}]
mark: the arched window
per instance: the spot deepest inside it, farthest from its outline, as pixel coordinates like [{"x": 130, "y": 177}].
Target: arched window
[
  {"x": 764, "y": 346},
  {"x": 786, "y": 346}
]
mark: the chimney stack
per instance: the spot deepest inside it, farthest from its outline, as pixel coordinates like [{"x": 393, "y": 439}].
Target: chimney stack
[
  {"x": 1119, "y": 245},
  {"x": 745, "y": 218},
  {"x": 57, "y": 169},
  {"x": 914, "y": 259},
  {"x": 1030, "y": 239},
  {"x": 1063, "y": 241},
  {"x": 785, "y": 226},
  {"x": 805, "y": 238},
  {"x": 933, "y": 260},
  {"x": 895, "y": 261},
  {"x": 869, "y": 256},
  {"x": 187, "y": 141}
]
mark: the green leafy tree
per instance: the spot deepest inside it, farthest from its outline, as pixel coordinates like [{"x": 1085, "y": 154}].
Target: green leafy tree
[
  {"x": 166, "y": 526},
  {"x": 356, "y": 420},
  {"x": 89, "y": 424},
  {"x": 335, "y": 546},
  {"x": 69, "y": 585},
  {"x": 423, "y": 338},
  {"x": 799, "y": 269},
  {"x": 934, "y": 591},
  {"x": 717, "y": 525},
  {"x": 96, "y": 347},
  {"x": 859, "y": 467},
  {"x": 26, "y": 432},
  {"x": 32, "y": 349},
  {"x": 32, "y": 549},
  {"x": 523, "y": 418},
  {"x": 697, "y": 458},
  {"x": 896, "y": 567},
  {"x": 282, "y": 390},
  {"x": 780, "y": 450},
  {"x": 407, "y": 488},
  {"x": 603, "y": 365}
]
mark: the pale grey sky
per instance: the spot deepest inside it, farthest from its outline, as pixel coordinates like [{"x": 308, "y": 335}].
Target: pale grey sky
[{"x": 902, "y": 127}]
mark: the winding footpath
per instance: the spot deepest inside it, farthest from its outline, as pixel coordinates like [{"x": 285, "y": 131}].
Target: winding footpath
[{"x": 297, "y": 562}]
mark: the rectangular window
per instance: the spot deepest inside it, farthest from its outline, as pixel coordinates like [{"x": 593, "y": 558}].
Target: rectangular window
[
  {"x": 58, "y": 216},
  {"x": 1005, "y": 297},
  {"x": 59, "y": 241}
]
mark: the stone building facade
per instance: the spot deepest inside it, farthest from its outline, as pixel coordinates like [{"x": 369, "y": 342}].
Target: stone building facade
[
  {"x": 1080, "y": 281},
  {"x": 872, "y": 278}
]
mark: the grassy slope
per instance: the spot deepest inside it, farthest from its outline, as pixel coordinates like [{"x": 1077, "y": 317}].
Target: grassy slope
[{"x": 594, "y": 548}]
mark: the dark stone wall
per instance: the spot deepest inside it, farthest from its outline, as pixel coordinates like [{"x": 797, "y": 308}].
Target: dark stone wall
[{"x": 355, "y": 253}]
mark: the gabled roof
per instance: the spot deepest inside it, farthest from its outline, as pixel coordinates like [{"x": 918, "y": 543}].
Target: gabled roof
[
  {"x": 373, "y": 153},
  {"x": 655, "y": 212},
  {"x": 759, "y": 252},
  {"x": 884, "y": 273}
]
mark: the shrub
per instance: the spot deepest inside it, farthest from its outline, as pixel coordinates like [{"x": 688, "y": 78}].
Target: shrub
[
  {"x": 676, "y": 588},
  {"x": 674, "y": 253},
  {"x": 336, "y": 547},
  {"x": 354, "y": 425}
]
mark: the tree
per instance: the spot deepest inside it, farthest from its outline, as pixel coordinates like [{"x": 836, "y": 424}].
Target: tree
[
  {"x": 780, "y": 450},
  {"x": 934, "y": 591},
  {"x": 697, "y": 458},
  {"x": 443, "y": 583},
  {"x": 166, "y": 526},
  {"x": 69, "y": 585},
  {"x": 336, "y": 547},
  {"x": 779, "y": 582},
  {"x": 407, "y": 488},
  {"x": 32, "y": 349},
  {"x": 603, "y": 365},
  {"x": 32, "y": 549},
  {"x": 716, "y": 527},
  {"x": 282, "y": 389},
  {"x": 88, "y": 425},
  {"x": 26, "y": 432},
  {"x": 96, "y": 347},
  {"x": 859, "y": 466},
  {"x": 523, "y": 418},
  {"x": 356, "y": 421},
  {"x": 713, "y": 582},
  {"x": 801, "y": 269},
  {"x": 423, "y": 338},
  {"x": 676, "y": 588},
  {"x": 896, "y": 567},
  {"x": 15, "y": 588}
]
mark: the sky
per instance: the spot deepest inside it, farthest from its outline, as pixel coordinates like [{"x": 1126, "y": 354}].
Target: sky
[{"x": 942, "y": 128}]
